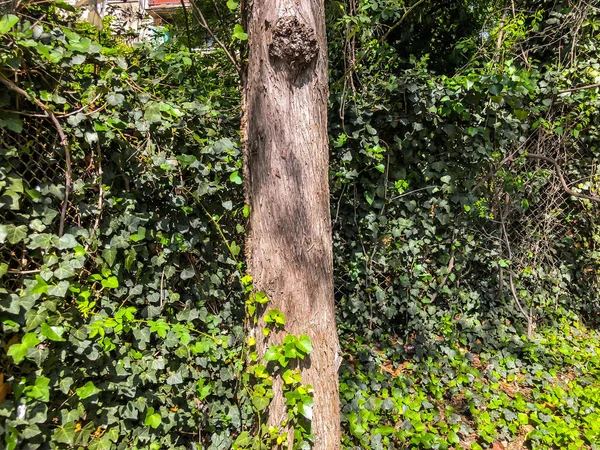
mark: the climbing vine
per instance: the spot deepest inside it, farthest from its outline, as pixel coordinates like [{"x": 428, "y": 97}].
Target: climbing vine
[{"x": 464, "y": 156}]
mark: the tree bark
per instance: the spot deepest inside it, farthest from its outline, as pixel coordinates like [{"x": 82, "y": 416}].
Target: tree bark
[{"x": 289, "y": 246}]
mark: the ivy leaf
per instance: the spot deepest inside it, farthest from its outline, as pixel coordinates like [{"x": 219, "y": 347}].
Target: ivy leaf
[
  {"x": 232, "y": 5},
  {"x": 275, "y": 316},
  {"x": 45, "y": 241},
  {"x": 187, "y": 273},
  {"x": 174, "y": 378},
  {"x": 261, "y": 297},
  {"x": 59, "y": 290},
  {"x": 291, "y": 377},
  {"x": 11, "y": 439},
  {"x": 66, "y": 434},
  {"x": 67, "y": 241},
  {"x": 64, "y": 271},
  {"x": 19, "y": 351},
  {"x": 260, "y": 402},
  {"x": 272, "y": 354},
  {"x": 495, "y": 89},
  {"x": 87, "y": 390},
  {"x": 306, "y": 409},
  {"x": 53, "y": 333},
  {"x": 65, "y": 384},
  {"x": 202, "y": 389},
  {"x": 242, "y": 441},
  {"x": 238, "y": 33},
  {"x": 91, "y": 137},
  {"x": 139, "y": 235},
  {"x": 115, "y": 99},
  {"x": 110, "y": 282},
  {"x": 159, "y": 327},
  {"x": 40, "y": 390},
  {"x": 235, "y": 177},
  {"x": 77, "y": 60},
  {"x": 304, "y": 344},
  {"x": 7, "y": 22},
  {"x": 186, "y": 160},
  {"x": 152, "y": 112},
  {"x": 130, "y": 258},
  {"x": 235, "y": 249},
  {"x": 41, "y": 287},
  {"x": 14, "y": 234},
  {"x": 291, "y": 352},
  {"x": 152, "y": 419},
  {"x": 521, "y": 114},
  {"x": 384, "y": 431},
  {"x": 109, "y": 255}
]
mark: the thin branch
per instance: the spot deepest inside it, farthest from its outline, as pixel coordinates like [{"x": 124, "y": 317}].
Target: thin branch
[
  {"x": 511, "y": 281},
  {"x": 516, "y": 297},
  {"x": 383, "y": 38},
  {"x": 24, "y": 272},
  {"x": 411, "y": 192},
  {"x": 219, "y": 15},
  {"x": 162, "y": 287},
  {"x": 449, "y": 270},
  {"x": 63, "y": 141},
  {"x": 495, "y": 170},
  {"x": 337, "y": 213},
  {"x": 72, "y": 113},
  {"x": 100, "y": 196},
  {"x": 189, "y": 37},
  {"x": 219, "y": 43},
  {"x": 561, "y": 177},
  {"x": 580, "y": 88}
]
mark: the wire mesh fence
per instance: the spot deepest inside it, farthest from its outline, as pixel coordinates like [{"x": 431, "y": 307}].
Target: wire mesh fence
[
  {"x": 34, "y": 199},
  {"x": 30, "y": 165}
]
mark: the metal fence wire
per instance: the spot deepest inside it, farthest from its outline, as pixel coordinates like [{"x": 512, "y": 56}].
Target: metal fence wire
[
  {"x": 33, "y": 176},
  {"x": 29, "y": 166}
]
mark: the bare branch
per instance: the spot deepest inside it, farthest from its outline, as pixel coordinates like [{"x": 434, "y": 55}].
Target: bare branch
[
  {"x": 561, "y": 177},
  {"x": 217, "y": 40},
  {"x": 511, "y": 282},
  {"x": 24, "y": 272},
  {"x": 580, "y": 88}
]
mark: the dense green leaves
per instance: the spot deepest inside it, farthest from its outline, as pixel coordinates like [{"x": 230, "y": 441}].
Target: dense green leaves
[
  {"x": 126, "y": 329},
  {"x": 448, "y": 233},
  {"x": 111, "y": 324}
]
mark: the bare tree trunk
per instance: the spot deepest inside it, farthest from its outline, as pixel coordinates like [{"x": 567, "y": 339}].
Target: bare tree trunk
[{"x": 289, "y": 246}]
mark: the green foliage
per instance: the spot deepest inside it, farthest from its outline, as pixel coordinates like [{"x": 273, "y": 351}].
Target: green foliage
[
  {"x": 434, "y": 181},
  {"x": 115, "y": 327},
  {"x": 464, "y": 270},
  {"x": 453, "y": 398},
  {"x": 452, "y": 238},
  {"x": 258, "y": 381}
]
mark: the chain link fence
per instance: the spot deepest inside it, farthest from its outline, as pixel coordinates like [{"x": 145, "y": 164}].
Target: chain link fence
[{"x": 33, "y": 181}]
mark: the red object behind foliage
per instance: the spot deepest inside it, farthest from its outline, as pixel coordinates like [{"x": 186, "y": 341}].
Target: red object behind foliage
[{"x": 152, "y": 3}]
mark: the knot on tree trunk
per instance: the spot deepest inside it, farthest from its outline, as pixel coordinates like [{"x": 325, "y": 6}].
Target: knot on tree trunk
[{"x": 293, "y": 42}]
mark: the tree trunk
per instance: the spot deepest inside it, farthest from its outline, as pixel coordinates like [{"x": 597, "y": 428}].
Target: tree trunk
[{"x": 289, "y": 246}]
